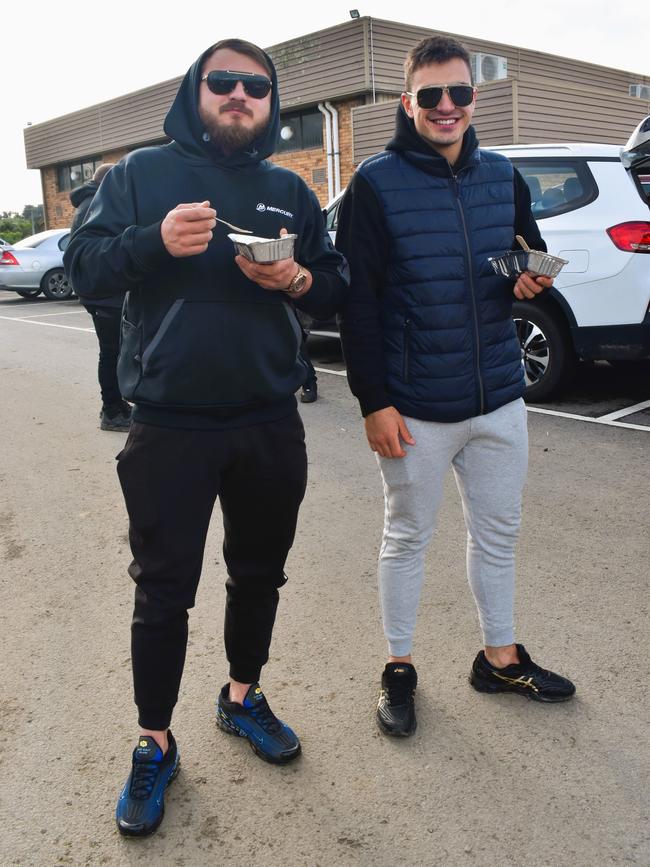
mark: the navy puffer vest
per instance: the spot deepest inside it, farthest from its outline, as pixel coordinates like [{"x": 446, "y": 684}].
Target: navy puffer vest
[{"x": 450, "y": 346}]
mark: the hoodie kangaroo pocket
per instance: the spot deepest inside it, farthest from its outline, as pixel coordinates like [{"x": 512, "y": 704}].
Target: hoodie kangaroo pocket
[
  {"x": 222, "y": 354},
  {"x": 129, "y": 364}
]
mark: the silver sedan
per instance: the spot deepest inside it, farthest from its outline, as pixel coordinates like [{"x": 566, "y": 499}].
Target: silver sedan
[{"x": 35, "y": 265}]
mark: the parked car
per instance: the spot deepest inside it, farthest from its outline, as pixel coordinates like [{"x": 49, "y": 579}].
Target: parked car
[
  {"x": 591, "y": 202},
  {"x": 35, "y": 265}
]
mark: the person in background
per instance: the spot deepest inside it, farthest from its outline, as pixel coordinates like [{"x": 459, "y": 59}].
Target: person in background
[{"x": 115, "y": 413}]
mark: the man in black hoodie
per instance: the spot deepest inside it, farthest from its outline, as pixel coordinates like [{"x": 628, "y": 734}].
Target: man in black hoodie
[
  {"x": 115, "y": 413},
  {"x": 211, "y": 359},
  {"x": 433, "y": 357}
]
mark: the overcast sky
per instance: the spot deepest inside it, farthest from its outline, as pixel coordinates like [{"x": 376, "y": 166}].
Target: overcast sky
[{"x": 70, "y": 54}]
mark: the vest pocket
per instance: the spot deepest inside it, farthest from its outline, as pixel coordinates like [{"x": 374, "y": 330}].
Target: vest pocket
[{"x": 406, "y": 375}]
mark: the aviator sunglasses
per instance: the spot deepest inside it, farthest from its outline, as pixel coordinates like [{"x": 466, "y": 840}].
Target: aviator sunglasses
[
  {"x": 461, "y": 95},
  {"x": 223, "y": 81}
]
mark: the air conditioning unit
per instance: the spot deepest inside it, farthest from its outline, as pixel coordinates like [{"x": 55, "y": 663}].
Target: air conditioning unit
[
  {"x": 488, "y": 67},
  {"x": 641, "y": 91}
]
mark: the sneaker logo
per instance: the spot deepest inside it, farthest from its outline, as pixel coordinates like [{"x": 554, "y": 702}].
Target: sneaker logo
[
  {"x": 143, "y": 744},
  {"x": 518, "y": 681},
  {"x": 399, "y": 670}
]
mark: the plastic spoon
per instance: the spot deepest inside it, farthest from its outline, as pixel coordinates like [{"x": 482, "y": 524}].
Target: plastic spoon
[{"x": 522, "y": 243}]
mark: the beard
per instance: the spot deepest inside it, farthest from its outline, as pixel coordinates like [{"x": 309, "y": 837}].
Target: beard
[{"x": 229, "y": 138}]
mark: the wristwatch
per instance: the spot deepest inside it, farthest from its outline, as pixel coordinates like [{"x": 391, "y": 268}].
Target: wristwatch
[{"x": 298, "y": 282}]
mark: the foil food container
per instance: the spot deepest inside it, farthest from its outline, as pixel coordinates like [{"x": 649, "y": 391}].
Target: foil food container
[
  {"x": 515, "y": 262},
  {"x": 264, "y": 250}
]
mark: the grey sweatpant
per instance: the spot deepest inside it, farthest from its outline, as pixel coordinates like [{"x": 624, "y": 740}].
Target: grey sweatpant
[{"x": 489, "y": 456}]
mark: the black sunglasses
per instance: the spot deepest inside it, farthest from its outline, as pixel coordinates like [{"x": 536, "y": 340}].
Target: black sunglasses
[
  {"x": 223, "y": 81},
  {"x": 461, "y": 95}
]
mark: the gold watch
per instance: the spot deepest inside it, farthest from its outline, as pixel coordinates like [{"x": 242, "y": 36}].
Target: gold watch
[{"x": 298, "y": 282}]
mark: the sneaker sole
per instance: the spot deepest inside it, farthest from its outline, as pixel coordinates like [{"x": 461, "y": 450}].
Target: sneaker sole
[
  {"x": 482, "y": 686},
  {"x": 393, "y": 734},
  {"x": 126, "y": 832},
  {"x": 115, "y": 427},
  {"x": 231, "y": 729}
]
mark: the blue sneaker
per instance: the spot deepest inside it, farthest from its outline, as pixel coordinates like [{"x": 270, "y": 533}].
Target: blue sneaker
[
  {"x": 270, "y": 738},
  {"x": 141, "y": 806}
]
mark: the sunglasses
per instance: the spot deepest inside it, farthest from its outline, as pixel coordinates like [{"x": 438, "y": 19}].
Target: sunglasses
[
  {"x": 461, "y": 95},
  {"x": 223, "y": 81}
]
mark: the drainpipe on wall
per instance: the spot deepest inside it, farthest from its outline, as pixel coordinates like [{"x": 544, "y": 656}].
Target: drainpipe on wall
[
  {"x": 335, "y": 147},
  {"x": 328, "y": 144}
]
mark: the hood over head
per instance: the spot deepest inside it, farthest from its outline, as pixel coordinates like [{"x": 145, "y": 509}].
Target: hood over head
[
  {"x": 87, "y": 191},
  {"x": 407, "y": 140},
  {"x": 184, "y": 125}
]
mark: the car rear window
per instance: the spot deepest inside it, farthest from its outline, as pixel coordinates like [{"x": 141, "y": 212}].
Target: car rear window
[
  {"x": 33, "y": 241},
  {"x": 557, "y": 186}
]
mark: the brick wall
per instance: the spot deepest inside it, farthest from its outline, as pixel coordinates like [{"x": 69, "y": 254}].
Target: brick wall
[
  {"x": 306, "y": 162},
  {"x": 59, "y": 210},
  {"x": 58, "y": 207}
]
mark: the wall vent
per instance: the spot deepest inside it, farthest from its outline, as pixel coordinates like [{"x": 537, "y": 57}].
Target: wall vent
[{"x": 641, "y": 91}]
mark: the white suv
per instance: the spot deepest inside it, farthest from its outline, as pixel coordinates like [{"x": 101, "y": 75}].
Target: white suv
[{"x": 593, "y": 212}]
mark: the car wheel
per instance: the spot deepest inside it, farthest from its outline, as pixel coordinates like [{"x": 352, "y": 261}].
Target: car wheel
[
  {"x": 546, "y": 350},
  {"x": 56, "y": 286},
  {"x": 28, "y": 293}
]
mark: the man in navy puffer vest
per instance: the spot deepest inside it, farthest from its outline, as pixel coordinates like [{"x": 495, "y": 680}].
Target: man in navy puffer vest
[{"x": 434, "y": 360}]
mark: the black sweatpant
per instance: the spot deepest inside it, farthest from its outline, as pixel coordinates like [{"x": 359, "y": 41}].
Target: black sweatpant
[
  {"x": 107, "y": 322},
  {"x": 170, "y": 479}
]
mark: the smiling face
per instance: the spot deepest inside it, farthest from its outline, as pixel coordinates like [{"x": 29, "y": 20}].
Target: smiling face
[
  {"x": 233, "y": 120},
  {"x": 441, "y": 127}
]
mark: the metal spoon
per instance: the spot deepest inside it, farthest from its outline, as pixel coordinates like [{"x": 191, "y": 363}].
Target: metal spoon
[
  {"x": 522, "y": 243},
  {"x": 234, "y": 228}
]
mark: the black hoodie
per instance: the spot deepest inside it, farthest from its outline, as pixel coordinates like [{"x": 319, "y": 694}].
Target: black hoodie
[
  {"x": 81, "y": 198},
  {"x": 203, "y": 346}
]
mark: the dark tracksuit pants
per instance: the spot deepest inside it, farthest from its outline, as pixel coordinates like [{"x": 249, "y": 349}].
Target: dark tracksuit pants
[
  {"x": 107, "y": 322},
  {"x": 170, "y": 479}
]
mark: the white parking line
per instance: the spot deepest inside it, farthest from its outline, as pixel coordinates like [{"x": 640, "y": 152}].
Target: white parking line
[
  {"x": 39, "y": 315},
  {"x": 628, "y": 410},
  {"x": 48, "y": 324},
  {"x": 333, "y": 372},
  {"x": 589, "y": 419}
]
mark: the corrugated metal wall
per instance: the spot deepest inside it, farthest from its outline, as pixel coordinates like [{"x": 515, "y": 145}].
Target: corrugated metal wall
[
  {"x": 330, "y": 64},
  {"x": 357, "y": 57}
]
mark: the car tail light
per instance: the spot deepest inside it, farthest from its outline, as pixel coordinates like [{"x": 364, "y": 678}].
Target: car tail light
[
  {"x": 8, "y": 258},
  {"x": 631, "y": 237}
]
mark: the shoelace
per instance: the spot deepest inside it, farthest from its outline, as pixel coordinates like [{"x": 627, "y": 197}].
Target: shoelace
[
  {"x": 263, "y": 715},
  {"x": 143, "y": 779},
  {"x": 399, "y": 691}
]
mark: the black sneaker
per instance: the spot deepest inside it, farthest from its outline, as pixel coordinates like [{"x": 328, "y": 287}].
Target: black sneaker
[
  {"x": 270, "y": 738},
  {"x": 309, "y": 393},
  {"x": 115, "y": 417},
  {"x": 526, "y": 678},
  {"x": 141, "y": 806},
  {"x": 396, "y": 708}
]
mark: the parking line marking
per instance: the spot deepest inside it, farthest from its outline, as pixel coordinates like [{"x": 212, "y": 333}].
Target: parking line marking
[
  {"x": 630, "y": 410},
  {"x": 48, "y": 324},
  {"x": 589, "y": 419},
  {"x": 333, "y": 372},
  {"x": 604, "y": 420},
  {"x": 39, "y": 315}
]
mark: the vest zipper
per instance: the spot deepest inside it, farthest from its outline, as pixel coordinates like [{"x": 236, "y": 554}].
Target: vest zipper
[
  {"x": 470, "y": 268},
  {"x": 405, "y": 361}
]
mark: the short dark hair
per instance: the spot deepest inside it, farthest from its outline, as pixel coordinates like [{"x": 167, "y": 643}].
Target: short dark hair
[
  {"x": 241, "y": 46},
  {"x": 434, "y": 49}
]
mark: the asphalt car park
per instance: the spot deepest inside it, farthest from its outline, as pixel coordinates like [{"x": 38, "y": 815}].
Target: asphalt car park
[
  {"x": 569, "y": 780},
  {"x": 599, "y": 393}
]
